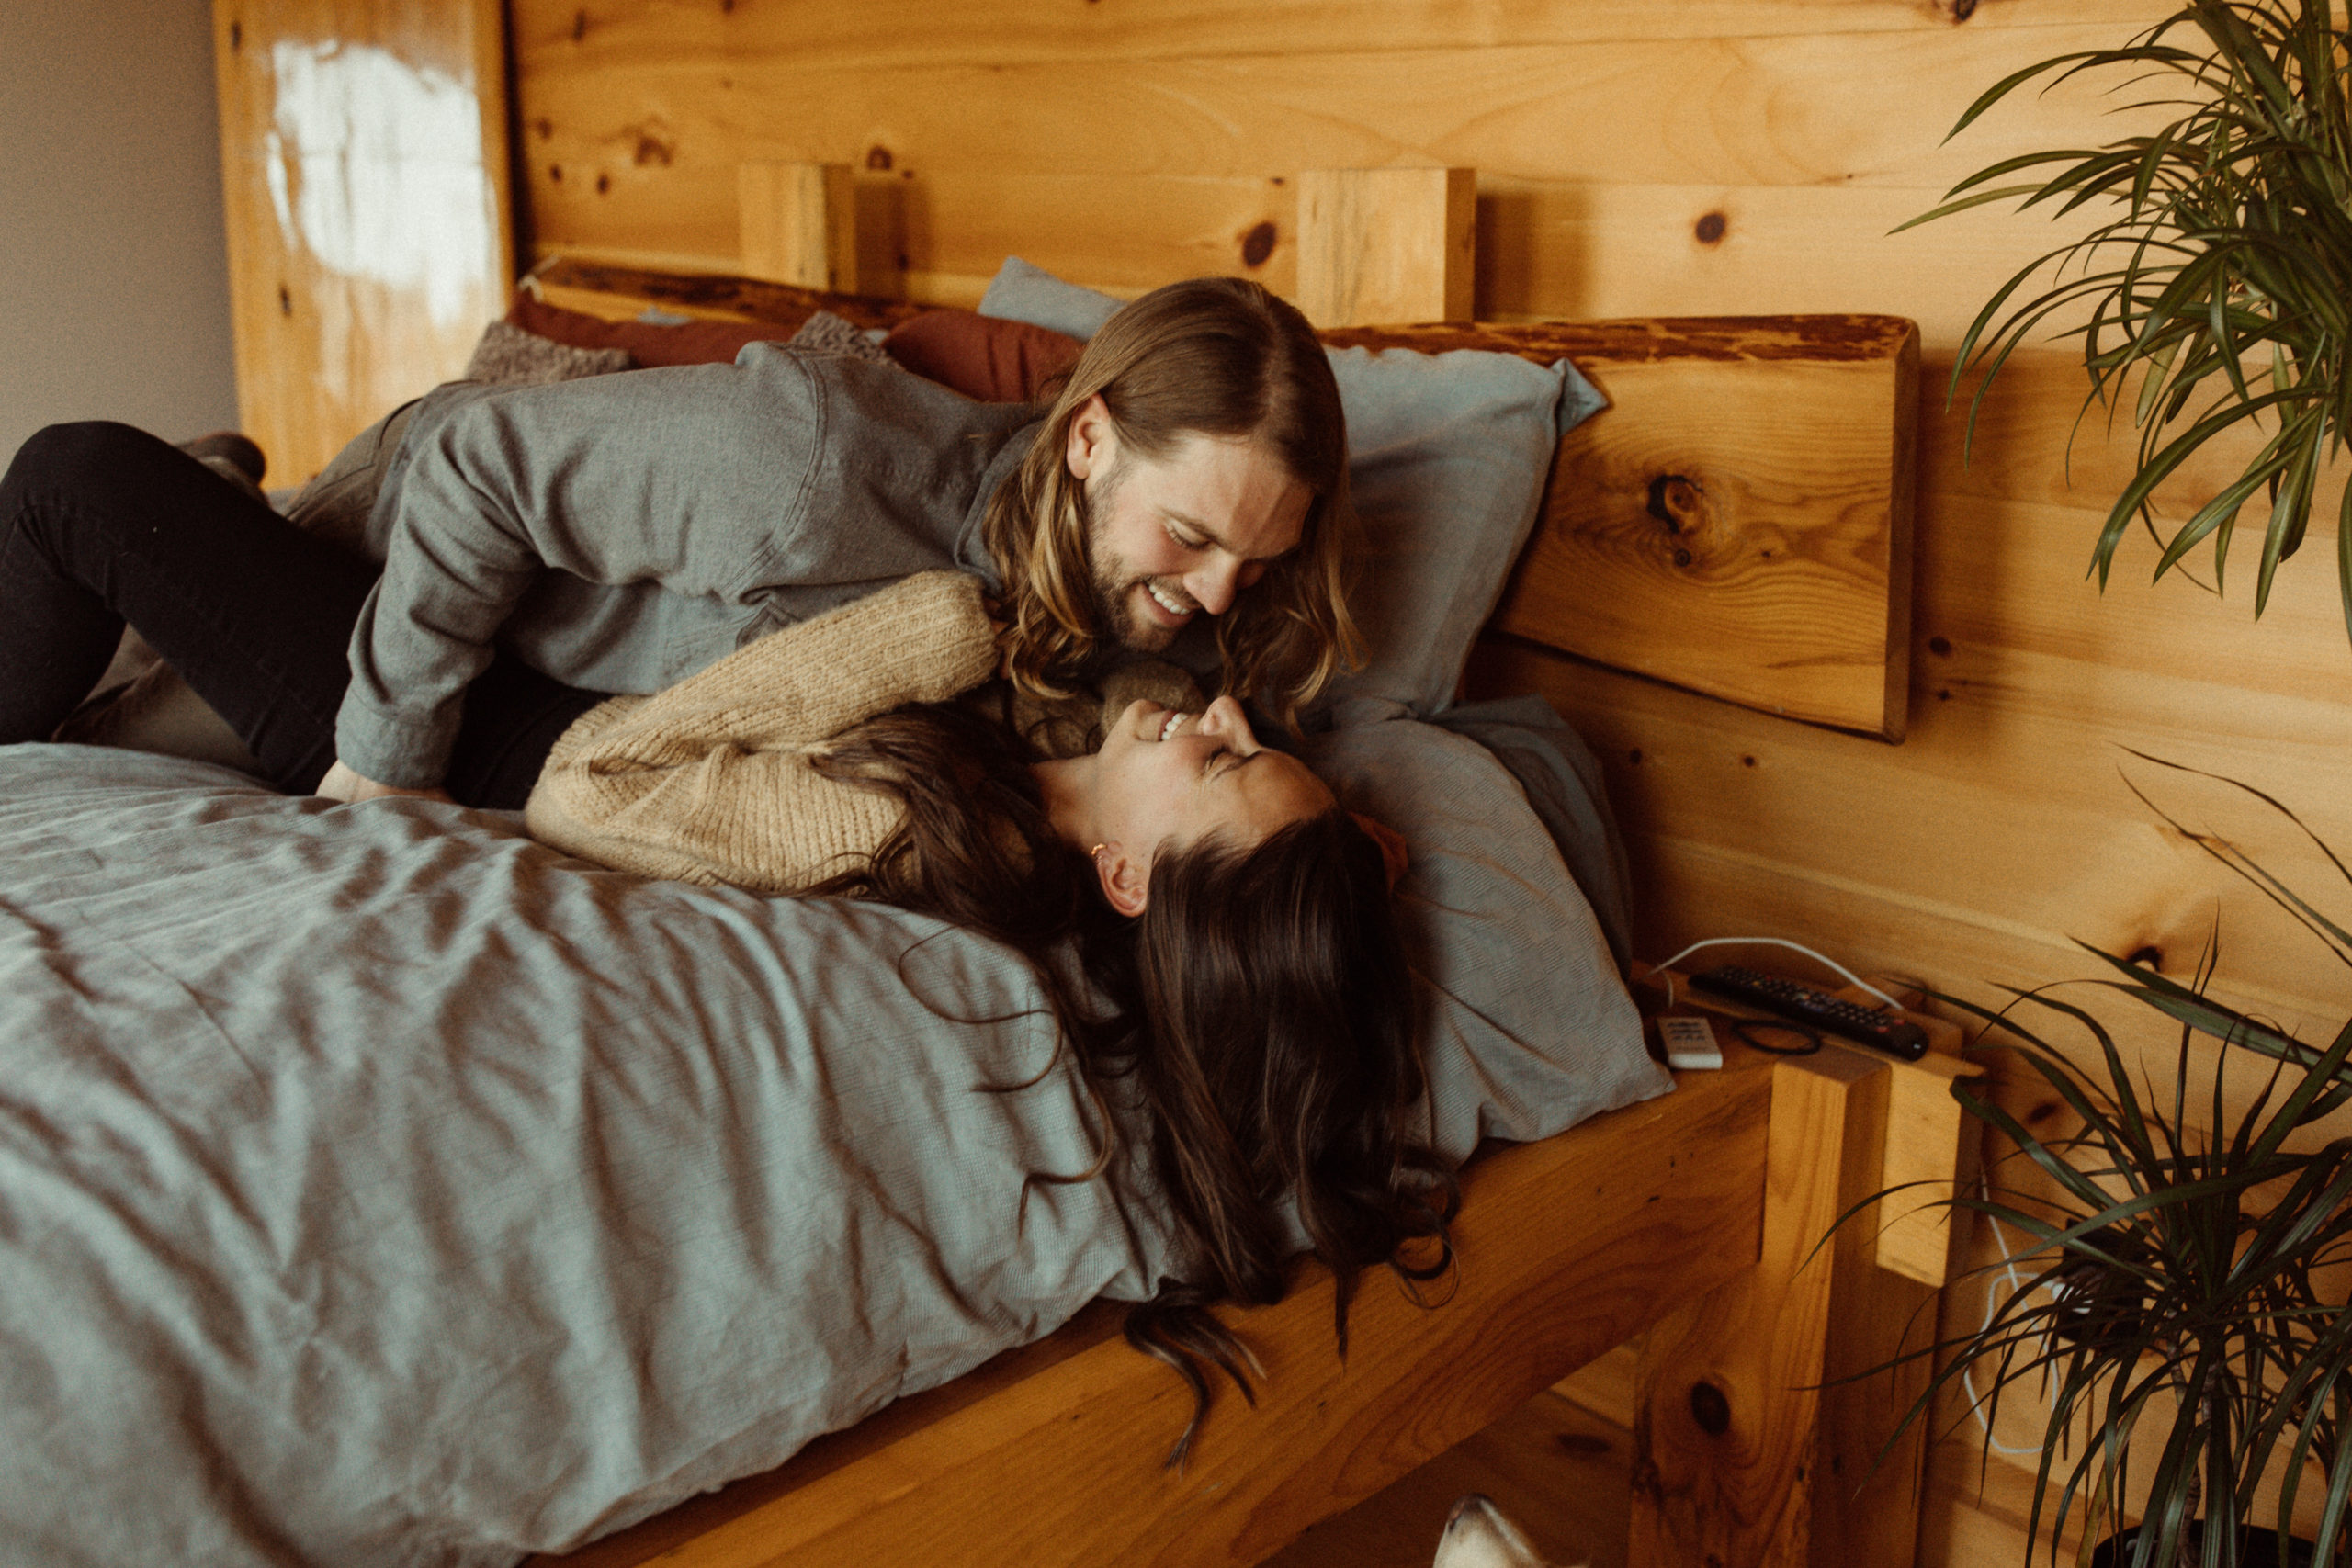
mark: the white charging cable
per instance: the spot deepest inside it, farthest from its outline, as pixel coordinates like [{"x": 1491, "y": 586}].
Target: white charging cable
[
  {"x": 1665, "y": 969},
  {"x": 1968, "y": 1374}
]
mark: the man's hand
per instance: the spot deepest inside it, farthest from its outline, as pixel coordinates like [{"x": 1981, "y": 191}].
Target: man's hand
[{"x": 343, "y": 783}]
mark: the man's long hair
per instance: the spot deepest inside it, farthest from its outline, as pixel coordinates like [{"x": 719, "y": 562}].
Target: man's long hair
[{"x": 1212, "y": 357}]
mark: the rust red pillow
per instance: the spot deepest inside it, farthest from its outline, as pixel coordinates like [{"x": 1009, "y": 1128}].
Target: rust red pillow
[
  {"x": 981, "y": 356},
  {"x": 650, "y": 342}
]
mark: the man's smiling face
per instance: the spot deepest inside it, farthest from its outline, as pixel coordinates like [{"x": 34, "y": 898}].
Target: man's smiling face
[{"x": 1170, "y": 537}]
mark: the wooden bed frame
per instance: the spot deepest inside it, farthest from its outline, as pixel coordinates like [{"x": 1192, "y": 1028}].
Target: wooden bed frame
[
  {"x": 1737, "y": 521},
  {"x": 1694, "y": 1217}
]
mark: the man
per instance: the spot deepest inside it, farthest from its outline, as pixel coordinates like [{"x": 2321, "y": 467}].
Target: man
[{"x": 1194, "y": 463}]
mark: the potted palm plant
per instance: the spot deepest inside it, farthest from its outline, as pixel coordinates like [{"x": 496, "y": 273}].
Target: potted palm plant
[
  {"x": 2173, "y": 1276},
  {"x": 2218, "y": 285}
]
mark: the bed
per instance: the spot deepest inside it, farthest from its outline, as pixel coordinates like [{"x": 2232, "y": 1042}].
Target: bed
[{"x": 294, "y": 1257}]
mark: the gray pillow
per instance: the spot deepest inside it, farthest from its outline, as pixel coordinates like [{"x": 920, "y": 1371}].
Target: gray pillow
[
  {"x": 1449, "y": 452},
  {"x": 1020, "y": 292},
  {"x": 1526, "y": 1027}
]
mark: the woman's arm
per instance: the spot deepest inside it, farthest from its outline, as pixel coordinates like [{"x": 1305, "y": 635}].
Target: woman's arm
[{"x": 709, "y": 780}]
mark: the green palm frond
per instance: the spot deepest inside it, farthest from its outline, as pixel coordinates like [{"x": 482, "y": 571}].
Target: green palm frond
[{"x": 2228, "y": 245}]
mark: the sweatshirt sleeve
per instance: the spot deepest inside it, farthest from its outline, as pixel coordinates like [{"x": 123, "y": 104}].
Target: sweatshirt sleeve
[
  {"x": 709, "y": 780},
  {"x": 612, "y": 478}
]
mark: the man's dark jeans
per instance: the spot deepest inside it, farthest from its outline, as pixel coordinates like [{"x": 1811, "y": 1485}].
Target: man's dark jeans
[{"x": 101, "y": 523}]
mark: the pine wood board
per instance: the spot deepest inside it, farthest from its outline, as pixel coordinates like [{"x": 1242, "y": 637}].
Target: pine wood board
[
  {"x": 1560, "y": 1470},
  {"x": 1738, "y": 522},
  {"x": 1596, "y": 249},
  {"x": 653, "y": 138},
  {"x": 1972, "y": 958},
  {"x": 2003, "y": 584},
  {"x": 1607, "y": 1385},
  {"x": 2034, "y": 442},
  {"x": 1545, "y": 251},
  {"x": 940, "y": 241},
  {"x": 1082, "y": 1414},
  {"x": 1739, "y": 527},
  {"x": 2022, "y": 827},
  {"x": 346, "y": 296},
  {"x": 1758, "y": 1479},
  {"x": 1001, "y": 33}
]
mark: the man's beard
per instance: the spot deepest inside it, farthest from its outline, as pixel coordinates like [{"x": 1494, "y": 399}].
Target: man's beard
[
  {"x": 1114, "y": 596},
  {"x": 1115, "y": 611}
]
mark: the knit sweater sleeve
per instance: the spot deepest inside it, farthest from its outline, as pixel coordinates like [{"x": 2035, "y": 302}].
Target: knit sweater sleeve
[{"x": 709, "y": 780}]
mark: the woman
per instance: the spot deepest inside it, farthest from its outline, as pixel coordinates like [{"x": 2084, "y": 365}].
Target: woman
[{"x": 1245, "y": 980}]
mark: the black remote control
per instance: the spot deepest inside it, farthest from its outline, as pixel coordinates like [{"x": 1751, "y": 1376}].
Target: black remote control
[{"x": 1800, "y": 1003}]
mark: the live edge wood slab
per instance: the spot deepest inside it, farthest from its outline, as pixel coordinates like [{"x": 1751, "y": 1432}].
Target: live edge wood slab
[
  {"x": 1739, "y": 520},
  {"x": 1694, "y": 1215}
]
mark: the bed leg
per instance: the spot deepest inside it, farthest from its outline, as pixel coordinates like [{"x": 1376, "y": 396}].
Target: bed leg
[{"x": 1748, "y": 1452}]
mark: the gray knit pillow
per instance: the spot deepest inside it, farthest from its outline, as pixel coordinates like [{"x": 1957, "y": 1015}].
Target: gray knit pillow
[
  {"x": 825, "y": 333},
  {"x": 509, "y": 357}
]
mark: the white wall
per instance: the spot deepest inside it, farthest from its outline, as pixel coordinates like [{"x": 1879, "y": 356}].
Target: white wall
[{"x": 114, "y": 291}]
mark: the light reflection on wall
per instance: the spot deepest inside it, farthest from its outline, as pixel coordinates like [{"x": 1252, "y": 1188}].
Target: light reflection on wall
[{"x": 375, "y": 166}]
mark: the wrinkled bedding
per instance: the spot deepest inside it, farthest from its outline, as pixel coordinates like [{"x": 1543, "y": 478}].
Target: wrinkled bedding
[{"x": 378, "y": 1187}]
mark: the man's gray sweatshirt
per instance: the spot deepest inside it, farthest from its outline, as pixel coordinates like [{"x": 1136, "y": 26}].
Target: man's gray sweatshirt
[{"x": 621, "y": 532}]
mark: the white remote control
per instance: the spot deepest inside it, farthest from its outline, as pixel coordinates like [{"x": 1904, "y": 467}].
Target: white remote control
[{"x": 1689, "y": 1043}]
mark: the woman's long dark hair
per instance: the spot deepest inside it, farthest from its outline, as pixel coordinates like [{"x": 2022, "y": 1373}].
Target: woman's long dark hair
[{"x": 1260, "y": 1006}]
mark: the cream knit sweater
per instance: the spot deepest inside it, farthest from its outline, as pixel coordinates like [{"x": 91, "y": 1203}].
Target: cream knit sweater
[{"x": 709, "y": 781}]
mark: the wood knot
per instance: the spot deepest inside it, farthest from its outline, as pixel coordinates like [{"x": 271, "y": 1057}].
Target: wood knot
[
  {"x": 579, "y": 26},
  {"x": 878, "y": 156},
  {"x": 2150, "y": 956},
  {"x": 1711, "y": 1407},
  {"x": 236, "y": 37},
  {"x": 1963, "y": 9},
  {"x": 1677, "y": 501},
  {"x": 1674, "y": 500},
  {"x": 1257, "y": 246},
  {"x": 1710, "y": 229}
]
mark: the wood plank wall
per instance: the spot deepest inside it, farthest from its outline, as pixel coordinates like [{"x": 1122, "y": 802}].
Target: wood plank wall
[
  {"x": 1635, "y": 157},
  {"x": 364, "y": 166}
]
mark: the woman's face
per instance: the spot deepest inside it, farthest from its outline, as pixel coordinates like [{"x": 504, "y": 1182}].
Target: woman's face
[{"x": 1164, "y": 778}]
